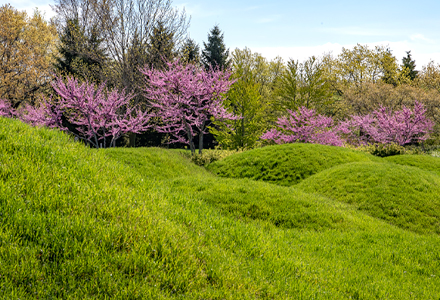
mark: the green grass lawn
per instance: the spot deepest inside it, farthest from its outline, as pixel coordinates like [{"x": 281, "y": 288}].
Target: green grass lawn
[
  {"x": 146, "y": 223},
  {"x": 286, "y": 164}
]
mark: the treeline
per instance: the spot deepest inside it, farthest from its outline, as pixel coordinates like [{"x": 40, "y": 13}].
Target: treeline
[{"x": 110, "y": 42}]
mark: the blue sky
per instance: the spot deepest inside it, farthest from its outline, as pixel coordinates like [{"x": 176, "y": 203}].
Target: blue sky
[{"x": 299, "y": 29}]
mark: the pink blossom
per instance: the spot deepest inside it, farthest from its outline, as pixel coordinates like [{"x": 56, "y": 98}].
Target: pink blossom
[
  {"x": 384, "y": 126},
  {"x": 304, "y": 126},
  {"x": 98, "y": 113},
  {"x": 6, "y": 109},
  {"x": 185, "y": 98}
]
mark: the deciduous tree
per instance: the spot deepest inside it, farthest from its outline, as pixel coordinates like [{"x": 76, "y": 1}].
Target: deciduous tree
[
  {"x": 124, "y": 23},
  {"x": 26, "y": 48},
  {"x": 6, "y": 109},
  {"x": 304, "y": 126},
  {"x": 101, "y": 116},
  {"x": 185, "y": 98},
  {"x": 402, "y": 127},
  {"x": 304, "y": 84},
  {"x": 244, "y": 100}
]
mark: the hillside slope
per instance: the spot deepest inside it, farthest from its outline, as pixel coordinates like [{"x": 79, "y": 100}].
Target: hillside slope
[
  {"x": 286, "y": 164},
  {"x": 79, "y": 223},
  {"x": 404, "y": 196}
]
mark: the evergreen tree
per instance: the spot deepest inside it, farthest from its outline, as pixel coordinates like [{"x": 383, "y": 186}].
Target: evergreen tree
[
  {"x": 190, "y": 52},
  {"x": 390, "y": 67},
  {"x": 410, "y": 65},
  {"x": 215, "y": 54},
  {"x": 81, "y": 54},
  {"x": 137, "y": 58},
  {"x": 160, "y": 48}
]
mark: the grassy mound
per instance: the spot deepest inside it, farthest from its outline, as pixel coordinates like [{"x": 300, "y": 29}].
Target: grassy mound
[
  {"x": 243, "y": 199},
  {"x": 286, "y": 164},
  {"x": 424, "y": 162},
  {"x": 401, "y": 195},
  {"x": 79, "y": 223}
]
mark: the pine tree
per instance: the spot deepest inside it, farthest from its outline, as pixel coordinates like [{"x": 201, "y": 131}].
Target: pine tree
[
  {"x": 215, "y": 54},
  {"x": 410, "y": 64},
  {"x": 190, "y": 52},
  {"x": 160, "y": 48},
  {"x": 81, "y": 54}
]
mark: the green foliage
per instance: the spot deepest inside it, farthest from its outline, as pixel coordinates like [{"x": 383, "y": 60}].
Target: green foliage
[
  {"x": 361, "y": 64},
  {"x": 244, "y": 101},
  {"x": 160, "y": 47},
  {"x": 215, "y": 54},
  {"x": 146, "y": 223},
  {"x": 304, "y": 84},
  {"x": 383, "y": 150},
  {"x": 288, "y": 87},
  {"x": 190, "y": 52},
  {"x": 285, "y": 164},
  {"x": 409, "y": 64},
  {"x": 80, "y": 53},
  {"x": 401, "y": 195}
]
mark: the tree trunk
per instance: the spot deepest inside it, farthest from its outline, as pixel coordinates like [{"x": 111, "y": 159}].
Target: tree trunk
[
  {"x": 201, "y": 138},
  {"x": 192, "y": 146},
  {"x": 132, "y": 139},
  {"x": 200, "y": 143}
]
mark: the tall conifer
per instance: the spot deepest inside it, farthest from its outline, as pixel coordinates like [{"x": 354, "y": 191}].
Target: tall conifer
[
  {"x": 215, "y": 54},
  {"x": 410, "y": 64}
]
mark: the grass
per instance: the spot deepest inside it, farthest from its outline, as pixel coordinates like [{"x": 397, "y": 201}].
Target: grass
[
  {"x": 79, "y": 223},
  {"x": 424, "y": 162},
  {"x": 404, "y": 196},
  {"x": 286, "y": 164}
]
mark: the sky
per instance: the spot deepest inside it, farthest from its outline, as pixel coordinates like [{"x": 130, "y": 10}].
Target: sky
[{"x": 300, "y": 29}]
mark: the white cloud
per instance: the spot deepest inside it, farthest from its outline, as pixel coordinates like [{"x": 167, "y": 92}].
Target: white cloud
[
  {"x": 421, "y": 37},
  {"x": 298, "y": 53},
  {"x": 269, "y": 19},
  {"x": 45, "y": 9}
]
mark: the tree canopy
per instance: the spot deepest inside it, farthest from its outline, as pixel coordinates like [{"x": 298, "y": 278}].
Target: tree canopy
[{"x": 26, "y": 48}]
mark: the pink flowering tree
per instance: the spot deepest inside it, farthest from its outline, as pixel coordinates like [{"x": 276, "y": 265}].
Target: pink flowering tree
[
  {"x": 6, "y": 109},
  {"x": 47, "y": 113},
  {"x": 101, "y": 116},
  {"x": 304, "y": 126},
  {"x": 402, "y": 127},
  {"x": 185, "y": 98}
]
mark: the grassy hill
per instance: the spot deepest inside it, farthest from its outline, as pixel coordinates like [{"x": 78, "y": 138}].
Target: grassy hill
[
  {"x": 286, "y": 164},
  {"x": 407, "y": 197},
  {"x": 79, "y": 223},
  {"x": 424, "y": 162}
]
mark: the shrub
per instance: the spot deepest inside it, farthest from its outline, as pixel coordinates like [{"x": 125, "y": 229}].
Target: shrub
[{"x": 384, "y": 150}]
